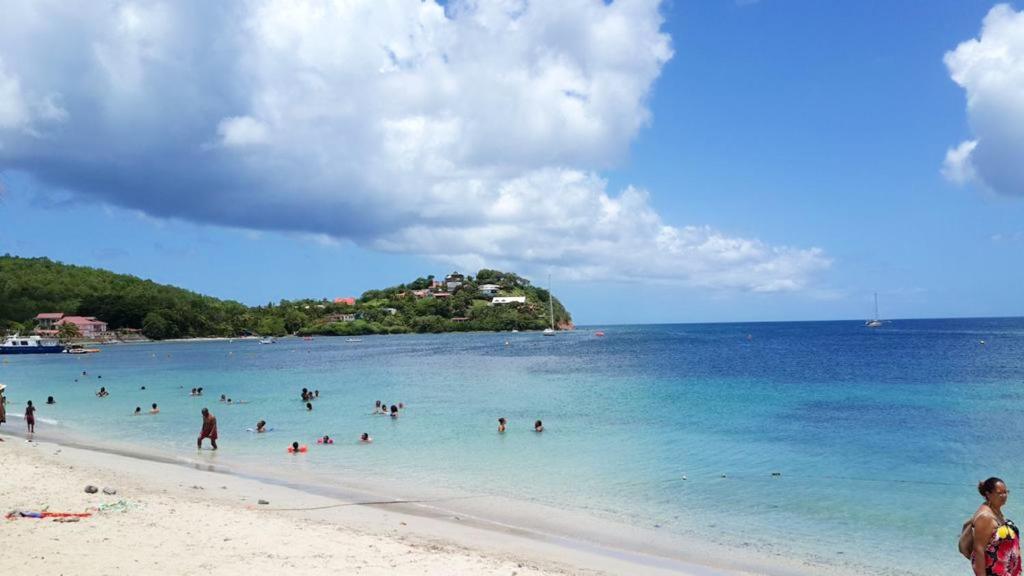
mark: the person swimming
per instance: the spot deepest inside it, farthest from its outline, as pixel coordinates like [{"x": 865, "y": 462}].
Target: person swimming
[
  {"x": 325, "y": 440},
  {"x": 223, "y": 398},
  {"x": 154, "y": 409},
  {"x": 138, "y": 410},
  {"x": 376, "y": 407},
  {"x": 102, "y": 393},
  {"x": 538, "y": 426},
  {"x": 50, "y": 400},
  {"x": 394, "y": 411},
  {"x": 316, "y": 393},
  {"x": 193, "y": 392},
  {"x": 501, "y": 424},
  {"x": 296, "y": 449},
  {"x": 309, "y": 407},
  {"x": 365, "y": 438},
  {"x": 261, "y": 426},
  {"x": 199, "y": 391}
]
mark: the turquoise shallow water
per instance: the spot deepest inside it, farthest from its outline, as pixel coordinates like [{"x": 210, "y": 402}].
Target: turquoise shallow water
[{"x": 879, "y": 435}]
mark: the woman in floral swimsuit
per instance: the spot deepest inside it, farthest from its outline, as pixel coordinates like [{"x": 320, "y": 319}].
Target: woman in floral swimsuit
[{"x": 996, "y": 539}]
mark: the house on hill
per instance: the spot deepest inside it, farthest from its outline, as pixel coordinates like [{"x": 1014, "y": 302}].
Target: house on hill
[
  {"x": 46, "y": 320},
  {"x": 49, "y": 323},
  {"x": 453, "y": 281},
  {"x": 489, "y": 289},
  {"x": 499, "y": 300},
  {"x": 347, "y": 300}
]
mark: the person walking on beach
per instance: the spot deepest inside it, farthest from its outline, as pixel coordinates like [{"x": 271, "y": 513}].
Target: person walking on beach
[
  {"x": 3, "y": 408},
  {"x": 996, "y": 546},
  {"x": 209, "y": 430},
  {"x": 30, "y": 417}
]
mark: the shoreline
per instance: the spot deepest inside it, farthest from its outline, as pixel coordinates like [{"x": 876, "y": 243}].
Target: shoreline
[{"x": 398, "y": 522}]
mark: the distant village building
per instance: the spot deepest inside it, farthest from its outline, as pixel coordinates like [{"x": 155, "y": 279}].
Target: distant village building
[
  {"x": 391, "y": 311},
  {"x": 49, "y": 323},
  {"x": 88, "y": 326},
  {"x": 453, "y": 281},
  {"x": 489, "y": 289},
  {"x": 347, "y": 300},
  {"x": 340, "y": 318},
  {"x": 47, "y": 320},
  {"x": 499, "y": 300}
]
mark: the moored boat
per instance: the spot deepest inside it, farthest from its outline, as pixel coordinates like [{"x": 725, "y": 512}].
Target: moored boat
[
  {"x": 30, "y": 345},
  {"x": 79, "y": 349}
]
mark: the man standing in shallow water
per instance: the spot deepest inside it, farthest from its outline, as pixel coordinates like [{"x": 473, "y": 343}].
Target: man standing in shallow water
[{"x": 209, "y": 430}]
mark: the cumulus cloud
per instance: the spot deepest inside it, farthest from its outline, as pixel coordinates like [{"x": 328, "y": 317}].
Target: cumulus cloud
[
  {"x": 473, "y": 132},
  {"x": 990, "y": 69}
]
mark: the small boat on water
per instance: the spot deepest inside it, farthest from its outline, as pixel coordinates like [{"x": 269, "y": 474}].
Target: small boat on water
[
  {"x": 270, "y": 340},
  {"x": 353, "y": 339},
  {"x": 551, "y": 310},
  {"x": 30, "y": 345},
  {"x": 874, "y": 322},
  {"x": 79, "y": 349},
  {"x": 599, "y": 333}
]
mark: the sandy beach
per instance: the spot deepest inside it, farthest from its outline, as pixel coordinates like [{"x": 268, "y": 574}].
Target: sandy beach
[{"x": 172, "y": 519}]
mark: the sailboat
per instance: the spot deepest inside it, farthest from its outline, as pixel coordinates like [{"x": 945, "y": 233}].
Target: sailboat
[
  {"x": 874, "y": 322},
  {"x": 551, "y": 310}
]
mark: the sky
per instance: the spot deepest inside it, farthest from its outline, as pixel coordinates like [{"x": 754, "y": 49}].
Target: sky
[{"x": 680, "y": 161}]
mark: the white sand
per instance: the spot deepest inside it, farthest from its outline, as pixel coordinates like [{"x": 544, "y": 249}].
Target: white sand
[{"x": 181, "y": 520}]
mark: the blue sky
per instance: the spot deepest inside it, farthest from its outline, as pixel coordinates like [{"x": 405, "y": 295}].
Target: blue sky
[{"x": 697, "y": 161}]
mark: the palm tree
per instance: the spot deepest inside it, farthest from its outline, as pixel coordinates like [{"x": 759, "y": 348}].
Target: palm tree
[{"x": 68, "y": 331}]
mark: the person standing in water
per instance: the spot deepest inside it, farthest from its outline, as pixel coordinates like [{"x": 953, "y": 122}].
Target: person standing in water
[
  {"x": 501, "y": 424},
  {"x": 209, "y": 430},
  {"x": 996, "y": 540},
  {"x": 30, "y": 417}
]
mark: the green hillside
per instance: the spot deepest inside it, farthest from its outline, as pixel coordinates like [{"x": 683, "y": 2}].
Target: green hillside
[{"x": 29, "y": 286}]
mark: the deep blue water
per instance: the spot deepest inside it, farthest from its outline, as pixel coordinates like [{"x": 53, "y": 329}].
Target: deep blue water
[{"x": 879, "y": 436}]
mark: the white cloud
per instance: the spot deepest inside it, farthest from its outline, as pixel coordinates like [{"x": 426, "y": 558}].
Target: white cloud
[
  {"x": 20, "y": 110},
  {"x": 242, "y": 131},
  {"x": 958, "y": 168},
  {"x": 474, "y": 132},
  {"x": 990, "y": 69}
]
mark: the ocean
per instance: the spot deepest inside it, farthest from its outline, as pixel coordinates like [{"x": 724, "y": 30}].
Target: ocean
[{"x": 835, "y": 446}]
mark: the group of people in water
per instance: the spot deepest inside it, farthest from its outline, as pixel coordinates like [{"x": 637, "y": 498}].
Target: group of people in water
[
  {"x": 382, "y": 409},
  {"x": 209, "y": 421},
  {"x": 538, "y": 426}
]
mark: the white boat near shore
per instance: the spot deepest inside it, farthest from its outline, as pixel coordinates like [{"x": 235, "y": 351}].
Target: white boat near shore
[{"x": 33, "y": 344}]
